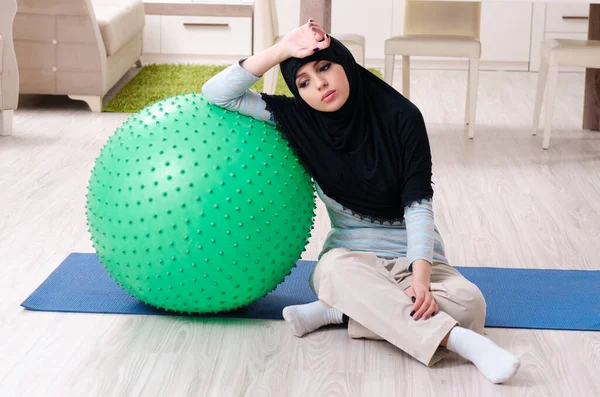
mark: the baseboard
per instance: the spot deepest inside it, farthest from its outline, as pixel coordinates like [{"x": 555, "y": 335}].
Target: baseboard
[
  {"x": 192, "y": 58},
  {"x": 451, "y": 64}
]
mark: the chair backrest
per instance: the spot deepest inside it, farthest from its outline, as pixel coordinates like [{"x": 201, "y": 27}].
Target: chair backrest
[
  {"x": 442, "y": 18},
  {"x": 266, "y": 25}
]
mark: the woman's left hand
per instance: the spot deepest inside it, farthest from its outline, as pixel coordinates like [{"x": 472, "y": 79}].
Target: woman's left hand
[{"x": 424, "y": 304}]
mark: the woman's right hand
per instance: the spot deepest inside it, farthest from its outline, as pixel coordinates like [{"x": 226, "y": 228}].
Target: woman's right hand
[{"x": 305, "y": 40}]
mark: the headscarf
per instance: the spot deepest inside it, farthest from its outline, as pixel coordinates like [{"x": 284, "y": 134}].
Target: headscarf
[{"x": 372, "y": 155}]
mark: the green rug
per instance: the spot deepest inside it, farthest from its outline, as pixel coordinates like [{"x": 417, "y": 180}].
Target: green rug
[{"x": 158, "y": 81}]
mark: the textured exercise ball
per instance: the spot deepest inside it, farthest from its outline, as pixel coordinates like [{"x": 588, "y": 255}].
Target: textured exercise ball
[{"x": 193, "y": 208}]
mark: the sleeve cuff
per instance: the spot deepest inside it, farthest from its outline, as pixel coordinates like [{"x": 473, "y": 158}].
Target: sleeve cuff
[
  {"x": 244, "y": 71},
  {"x": 420, "y": 229}
]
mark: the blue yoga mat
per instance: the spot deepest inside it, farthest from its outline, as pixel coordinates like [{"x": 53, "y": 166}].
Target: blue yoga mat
[{"x": 516, "y": 298}]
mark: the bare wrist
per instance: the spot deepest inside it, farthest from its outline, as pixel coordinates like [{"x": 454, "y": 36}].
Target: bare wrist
[
  {"x": 421, "y": 271},
  {"x": 280, "y": 52}
]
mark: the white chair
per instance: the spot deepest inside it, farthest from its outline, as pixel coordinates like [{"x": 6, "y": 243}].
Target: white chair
[
  {"x": 556, "y": 53},
  {"x": 9, "y": 72},
  {"x": 266, "y": 33},
  {"x": 438, "y": 29}
]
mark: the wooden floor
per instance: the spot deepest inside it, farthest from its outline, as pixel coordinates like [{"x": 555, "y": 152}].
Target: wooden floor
[{"x": 500, "y": 201}]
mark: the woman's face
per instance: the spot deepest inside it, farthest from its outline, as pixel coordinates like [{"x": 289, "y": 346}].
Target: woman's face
[{"x": 323, "y": 85}]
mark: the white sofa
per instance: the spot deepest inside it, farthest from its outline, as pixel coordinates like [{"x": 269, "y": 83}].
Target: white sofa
[
  {"x": 9, "y": 73},
  {"x": 79, "y": 48}
]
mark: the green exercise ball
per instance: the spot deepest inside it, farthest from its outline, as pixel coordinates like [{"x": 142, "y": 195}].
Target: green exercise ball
[{"x": 196, "y": 209}]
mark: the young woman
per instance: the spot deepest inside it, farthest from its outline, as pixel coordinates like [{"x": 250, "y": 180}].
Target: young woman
[{"x": 382, "y": 269}]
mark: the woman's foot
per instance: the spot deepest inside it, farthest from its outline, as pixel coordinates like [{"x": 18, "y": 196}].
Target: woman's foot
[
  {"x": 307, "y": 318},
  {"x": 495, "y": 363}
]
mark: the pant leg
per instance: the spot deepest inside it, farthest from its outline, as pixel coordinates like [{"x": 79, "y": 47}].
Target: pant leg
[
  {"x": 458, "y": 297},
  {"x": 399, "y": 272},
  {"x": 357, "y": 285}
]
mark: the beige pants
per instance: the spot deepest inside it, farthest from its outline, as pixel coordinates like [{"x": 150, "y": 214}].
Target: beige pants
[{"x": 370, "y": 291}]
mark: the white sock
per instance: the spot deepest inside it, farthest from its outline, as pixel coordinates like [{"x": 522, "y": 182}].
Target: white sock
[
  {"x": 307, "y": 318},
  {"x": 495, "y": 363}
]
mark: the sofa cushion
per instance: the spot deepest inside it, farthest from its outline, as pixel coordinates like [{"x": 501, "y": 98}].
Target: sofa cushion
[{"x": 119, "y": 21}]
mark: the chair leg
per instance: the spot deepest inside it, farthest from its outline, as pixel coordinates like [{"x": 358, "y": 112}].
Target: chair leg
[
  {"x": 388, "y": 69},
  {"x": 94, "y": 102},
  {"x": 468, "y": 95},
  {"x": 6, "y": 122},
  {"x": 552, "y": 82},
  {"x": 539, "y": 96},
  {"x": 406, "y": 76},
  {"x": 270, "y": 80},
  {"x": 472, "y": 97}
]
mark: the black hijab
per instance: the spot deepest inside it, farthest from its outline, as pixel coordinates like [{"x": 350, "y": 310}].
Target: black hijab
[{"x": 372, "y": 155}]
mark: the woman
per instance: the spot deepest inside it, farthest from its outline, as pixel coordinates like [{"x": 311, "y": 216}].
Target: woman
[{"x": 382, "y": 269}]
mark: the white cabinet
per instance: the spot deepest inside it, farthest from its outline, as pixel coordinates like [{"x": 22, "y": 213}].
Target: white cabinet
[{"x": 183, "y": 36}]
